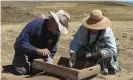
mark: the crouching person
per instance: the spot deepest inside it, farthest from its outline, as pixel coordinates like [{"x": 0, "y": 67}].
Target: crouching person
[
  {"x": 39, "y": 39},
  {"x": 95, "y": 42}
]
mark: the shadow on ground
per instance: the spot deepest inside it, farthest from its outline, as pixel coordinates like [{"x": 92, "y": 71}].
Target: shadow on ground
[
  {"x": 8, "y": 69},
  {"x": 53, "y": 75},
  {"x": 43, "y": 73}
]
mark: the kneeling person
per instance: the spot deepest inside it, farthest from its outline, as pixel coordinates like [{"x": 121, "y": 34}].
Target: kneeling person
[
  {"x": 95, "y": 42},
  {"x": 39, "y": 39}
]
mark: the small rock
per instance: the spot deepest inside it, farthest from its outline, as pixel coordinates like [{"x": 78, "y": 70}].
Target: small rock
[
  {"x": 124, "y": 36},
  {"x": 125, "y": 33},
  {"x": 131, "y": 38}
]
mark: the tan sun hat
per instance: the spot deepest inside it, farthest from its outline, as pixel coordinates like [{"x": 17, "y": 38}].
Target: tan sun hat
[
  {"x": 62, "y": 18},
  {"x": 96, "y": 21}
]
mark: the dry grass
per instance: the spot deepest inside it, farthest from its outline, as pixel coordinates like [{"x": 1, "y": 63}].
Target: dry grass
[{"x": 25, "y": 11}]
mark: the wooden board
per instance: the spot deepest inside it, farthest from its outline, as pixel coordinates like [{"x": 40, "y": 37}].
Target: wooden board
[
  {"x": 87, "y": 72},
  {"x": 64, "y": 71},
  {"x": 55, "y": 69}
]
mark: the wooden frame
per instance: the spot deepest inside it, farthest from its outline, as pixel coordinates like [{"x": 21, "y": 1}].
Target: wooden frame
[{"x": 58, "y": 68}]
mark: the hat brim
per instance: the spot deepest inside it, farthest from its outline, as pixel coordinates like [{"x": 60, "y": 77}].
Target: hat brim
[
  {"x": 62, "y": 28},
  {"x": 89, "y": 23}
]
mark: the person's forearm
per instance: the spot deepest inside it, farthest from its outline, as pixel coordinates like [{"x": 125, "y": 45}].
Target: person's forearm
[{"x": 27, "y": 49}]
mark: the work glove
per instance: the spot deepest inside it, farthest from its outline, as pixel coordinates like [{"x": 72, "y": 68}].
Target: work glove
[
  {"x": 43, "y": 52},
  {"x": 72, "y": 59},
  {"x": 94, "y": 56}
]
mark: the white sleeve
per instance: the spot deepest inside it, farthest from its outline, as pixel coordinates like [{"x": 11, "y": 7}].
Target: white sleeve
[{"x": 110, "y": 44}]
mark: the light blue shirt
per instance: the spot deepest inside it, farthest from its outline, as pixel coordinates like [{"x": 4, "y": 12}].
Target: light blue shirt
[{"x": 81, "y": 36}]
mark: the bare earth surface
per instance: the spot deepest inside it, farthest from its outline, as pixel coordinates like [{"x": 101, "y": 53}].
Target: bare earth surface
[{"x": 16, "y": 14}]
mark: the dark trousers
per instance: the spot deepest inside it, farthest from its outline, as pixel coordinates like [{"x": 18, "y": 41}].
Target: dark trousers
[{"x": 22, "y": 63}]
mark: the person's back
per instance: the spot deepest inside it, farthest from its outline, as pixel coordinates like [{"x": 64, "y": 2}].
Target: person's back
[{"x": 35, "y": 35}]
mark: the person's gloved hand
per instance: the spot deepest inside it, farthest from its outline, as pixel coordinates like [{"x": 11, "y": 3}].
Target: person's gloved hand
[
  {"x": 95, "y": 56},
  {"x": 43, "y": 52},
  {"x": 72, "y": 59}
]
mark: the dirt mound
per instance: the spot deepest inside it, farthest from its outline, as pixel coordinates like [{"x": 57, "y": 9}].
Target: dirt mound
[{"x": 15, "y": 14}]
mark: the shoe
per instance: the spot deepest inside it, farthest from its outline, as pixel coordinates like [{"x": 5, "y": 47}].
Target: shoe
[{"x": 104, "y": 71}]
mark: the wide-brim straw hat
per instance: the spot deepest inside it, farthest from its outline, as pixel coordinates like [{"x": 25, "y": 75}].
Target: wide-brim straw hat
[
  {"x": 96, "y": 21},
  {"x": 62, "y": 18}
]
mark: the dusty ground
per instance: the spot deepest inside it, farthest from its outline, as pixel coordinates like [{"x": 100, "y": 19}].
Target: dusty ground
[{"x": 16, "y": 14}]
